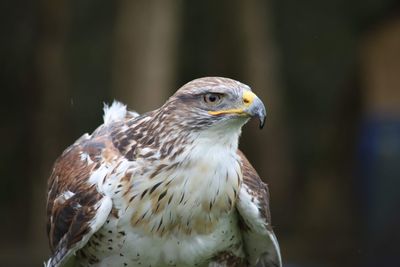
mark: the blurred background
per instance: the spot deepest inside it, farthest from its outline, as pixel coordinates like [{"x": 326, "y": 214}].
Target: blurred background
[{"x": 328, "y": 71}]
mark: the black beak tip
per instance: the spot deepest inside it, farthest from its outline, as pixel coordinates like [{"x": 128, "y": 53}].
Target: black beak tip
[{"x": 262, "y": 122}]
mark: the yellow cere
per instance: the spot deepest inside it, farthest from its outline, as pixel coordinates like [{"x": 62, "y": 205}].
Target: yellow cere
[{"x": 248, "y": 98}]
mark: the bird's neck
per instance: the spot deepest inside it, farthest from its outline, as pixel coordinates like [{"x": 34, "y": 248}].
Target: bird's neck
[
  {"x": 208, "y": 181},
  {"x": 194, "y": 179}
]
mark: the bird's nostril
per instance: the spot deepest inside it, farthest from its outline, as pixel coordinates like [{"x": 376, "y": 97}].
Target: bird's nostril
[{"x": 246, "y": 100}]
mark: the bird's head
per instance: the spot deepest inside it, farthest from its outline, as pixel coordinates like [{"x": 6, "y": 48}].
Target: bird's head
[{"x": 216, "y": 102}]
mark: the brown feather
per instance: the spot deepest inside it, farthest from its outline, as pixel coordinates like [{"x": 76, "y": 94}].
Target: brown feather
[
  {"x": 68, "y": 219},
  {"x": 257, "y": 187}
]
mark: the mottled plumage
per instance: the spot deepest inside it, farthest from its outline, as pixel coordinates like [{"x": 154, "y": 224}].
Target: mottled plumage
[{"x": 166, "y": 188}]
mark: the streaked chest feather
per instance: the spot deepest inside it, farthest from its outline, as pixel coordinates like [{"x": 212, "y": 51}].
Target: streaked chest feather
[
  {"x": 183, "y": 198},
  {"x": 178, "y": 206},
  {"x": 114, "y": 246}
]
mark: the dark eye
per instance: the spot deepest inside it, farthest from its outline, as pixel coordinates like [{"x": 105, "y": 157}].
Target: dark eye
[{"x": 212, "y": 99}]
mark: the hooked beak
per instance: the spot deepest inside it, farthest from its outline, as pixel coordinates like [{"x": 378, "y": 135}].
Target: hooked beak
[
  {"x": 252, "y": 106},
  {"x": 255, "y": 107}
]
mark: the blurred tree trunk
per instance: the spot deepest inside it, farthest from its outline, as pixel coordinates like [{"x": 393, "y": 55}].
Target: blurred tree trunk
[
  {"x": 145, "y": 52},
  {"x": 380, "y": 59},
  {"x": 50, "y": 133},
  {"x": 380, "y": 143}
]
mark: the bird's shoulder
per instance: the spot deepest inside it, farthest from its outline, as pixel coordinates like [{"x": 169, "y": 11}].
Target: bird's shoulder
[
  {"x": 75, "y": 207},
  {"x": 260, "y": 243}
]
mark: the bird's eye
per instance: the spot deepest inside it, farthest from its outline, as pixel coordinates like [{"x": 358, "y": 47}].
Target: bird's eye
[{"x": 212, "y": 98}]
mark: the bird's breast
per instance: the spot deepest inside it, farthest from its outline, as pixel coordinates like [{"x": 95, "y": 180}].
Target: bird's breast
[
  {"x": 138, "y": 249},
  {"x": 188, "y": 198}
]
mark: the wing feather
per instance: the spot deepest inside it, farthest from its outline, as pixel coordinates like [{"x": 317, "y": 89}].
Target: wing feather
[
  {"x": 75, "y": 209},
  {"x": 260, "y": 243}
]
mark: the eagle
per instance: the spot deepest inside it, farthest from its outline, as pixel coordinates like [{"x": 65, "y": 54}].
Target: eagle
[{"x": 166, "y": 188}]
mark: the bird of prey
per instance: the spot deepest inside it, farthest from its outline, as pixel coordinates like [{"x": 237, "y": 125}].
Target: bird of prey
[{"x": 165, "y": 188}]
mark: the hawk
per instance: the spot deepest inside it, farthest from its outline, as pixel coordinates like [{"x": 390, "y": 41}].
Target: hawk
[{"x": 166, "y": 188}]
